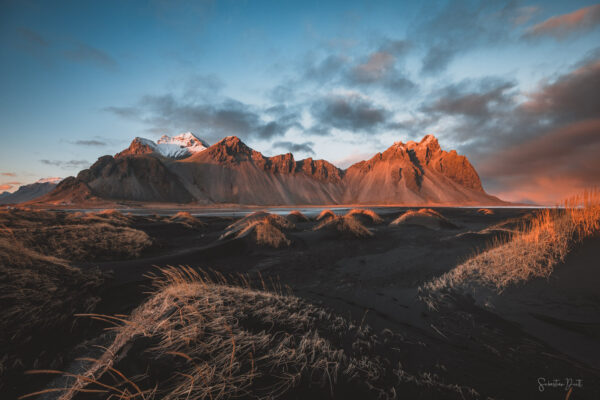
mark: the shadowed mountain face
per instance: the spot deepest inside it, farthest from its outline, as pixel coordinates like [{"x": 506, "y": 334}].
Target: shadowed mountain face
[{"x": 231, "y": 172}]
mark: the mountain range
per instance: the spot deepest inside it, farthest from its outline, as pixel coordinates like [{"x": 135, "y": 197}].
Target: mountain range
[
  {"x": 29, "y": 192},
  {"x": 185, "y": 169}
]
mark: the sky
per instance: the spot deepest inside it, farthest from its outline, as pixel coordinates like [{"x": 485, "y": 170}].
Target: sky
[{"x": 513, "y": 85}]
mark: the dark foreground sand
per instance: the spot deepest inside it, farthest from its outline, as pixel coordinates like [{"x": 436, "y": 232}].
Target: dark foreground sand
[{"x": 502, "y": 346}]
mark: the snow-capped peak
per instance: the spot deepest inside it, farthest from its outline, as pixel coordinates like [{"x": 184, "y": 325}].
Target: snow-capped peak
[
  {"x": 179, "y": 146},
  {"x": 54, "y": 180}
]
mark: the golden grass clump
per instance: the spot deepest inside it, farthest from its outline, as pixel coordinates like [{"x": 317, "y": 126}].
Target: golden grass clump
[
  {"x": 187, "y": 219},
  {"x": 110, "y": 216},
  {"x": 266, "y": 233},
  {"x": 485, "y": 211},
  {"x": 39, "y": 294},
  {"x": 201, "y": 339},
  {"x": 325, "y": 214},
  {"x": 296, "y": 216},
  {"x": 73, "y": 237},
  {"x": 365, "y": 216},
  {"x": 346, "y": 225},
  {"x": 532, "y": 250},
  {"x": 424, "y": 217},
  {"x": 277, "y": 221}
]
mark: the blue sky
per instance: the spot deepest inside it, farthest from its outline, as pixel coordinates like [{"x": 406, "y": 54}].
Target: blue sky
[{"x": 340, "y": 81}]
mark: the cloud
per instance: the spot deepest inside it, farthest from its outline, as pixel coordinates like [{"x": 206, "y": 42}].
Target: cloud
[
  {"x": 478, "y": 99},
  {"x": 570, "y": 96},
  {"x": 11, "y": 174},
  {"x": 87, "y": 54},
  {"x": 91, "y": 142},
  {"x": 524, "y": 14},
  {"x": 167, "y": 113},
  {"x": 350, "y": 112},
  {"x": 202, "y": 86},
  {"x": 458, "y": 27},
  {"x": 326, "y": 70},
  {"x": 70, "y": 164},
  {"x": 306, "y": 147},
  {"x": 549, "y": 167},
  {"x": 32, "y": 38},
  {"x": 564, "y": 25},
  {"x": 353, "y": 158},
  {"x": 5, "y": 187}
]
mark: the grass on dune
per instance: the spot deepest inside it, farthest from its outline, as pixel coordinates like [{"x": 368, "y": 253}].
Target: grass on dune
[
  {"x": 296, "y": 216},
  {"x": 365, "y": 216},
  {"x": 424, "y": 217},
  {"x": 532, "y": 250},
  {"x": 73, "y": 237},
  {"x": 325, "y": 214},
  {"x": 187, "y": 219},
  {"x": 201, "y": 338},
  {"x": 264, "y": 228},
  {"x": 346, "y": 225}
]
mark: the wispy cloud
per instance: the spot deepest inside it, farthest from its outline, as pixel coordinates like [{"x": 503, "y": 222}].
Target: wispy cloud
[
  {"x": 84, "y": 53},
  {"x": 90, "y": 142},
  {"x": 11, "y": 174},
  {"x": 564, "y": 25},
  {"x": 306, "y": 147},
  {"x": 67, "y": 164}
]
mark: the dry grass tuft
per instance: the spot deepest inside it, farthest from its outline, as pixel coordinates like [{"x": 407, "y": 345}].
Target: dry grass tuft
[
  {"x": 240, "y": 225},
  {"x": 424, "y": 217},
  {"x": 485, "y": 211},
  {"x": 73, "y": 237},
  {"x": 365, "y": 216},
  {"x": 109, "y": 216},
  {"x": 187, "y": 219},
  {"x": 347, "y": 226},
  {"x": 296, "y": 217},
  {"x": 265, "y": 233},
  {"x": 325, "y": 214},
  {"x": 532, "y": 250},
  {"x": 197, "y": 339},
  {"x": 39, "y": 294},
  {"x": 265, "y": 229}
]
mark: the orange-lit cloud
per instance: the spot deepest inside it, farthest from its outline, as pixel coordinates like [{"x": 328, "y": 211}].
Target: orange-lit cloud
[
  {"x": 563, "y": 25},
  {"x": 5, "y": 187},
  {"x": 11, "y": 174},
  {"x": 548, "y": 168}
]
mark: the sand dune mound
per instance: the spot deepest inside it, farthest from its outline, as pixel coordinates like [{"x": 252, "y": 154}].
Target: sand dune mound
[
  {"x": 485, "y": 211},
  {"x": 296, "y": 217},
  {"x": 425, "y": 217},
  {"x": 345, "y": 226},
  {"x": 365, "y": 216},
  {"x": 187, "y": 219},
  {"x": 325, "y": 214},
  {"x": 265, "y": 233},
  {"x": 266, "y": 229},
  {"x": 75, "y": 237},
  {"x": 196, "y": 339},
  {"x": 111, "y": 216}
]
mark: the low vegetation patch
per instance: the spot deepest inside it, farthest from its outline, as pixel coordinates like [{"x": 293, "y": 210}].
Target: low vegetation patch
[
  {"x": 296, "y": 217},
  {"x": 485, "y": 211},
  {"x": 39, "y": 294},
  {"x": 186, "y": 219},
  {"x": 365, "y": 216},
  {"x": 425, "y": 217},
  {"x": 265, "y": 229},
  {"x": 532, "y": 250},
  {"x": 197, "y": 339},
  {"x": 346, "y": 226},
  {"x": 325, "y": 214}
]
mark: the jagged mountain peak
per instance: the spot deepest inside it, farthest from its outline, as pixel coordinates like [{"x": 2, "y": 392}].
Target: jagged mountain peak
[{"x": 176, "y": 147}]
